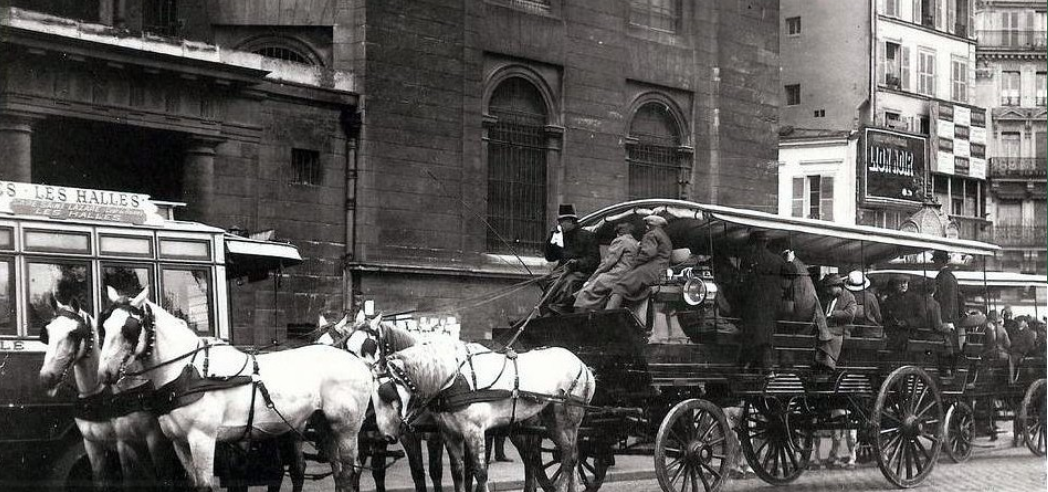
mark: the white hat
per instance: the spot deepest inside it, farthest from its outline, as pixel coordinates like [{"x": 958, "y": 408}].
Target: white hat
[{"x": 857, "y": 281}]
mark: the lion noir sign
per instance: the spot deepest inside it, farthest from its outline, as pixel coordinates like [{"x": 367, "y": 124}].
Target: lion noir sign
[{"x": 892, "y": 165}]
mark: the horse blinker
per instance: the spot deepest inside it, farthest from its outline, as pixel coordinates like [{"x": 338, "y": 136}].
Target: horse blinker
[{"x": 387, "y": 392}]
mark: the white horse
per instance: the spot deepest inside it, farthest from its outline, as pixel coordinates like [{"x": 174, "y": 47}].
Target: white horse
[
  {"x": 298, "y": 382},
  {"x": 420, "y": 376},
  {"x": 370, "y": 340},
  {"x": 73, "y": 342}
]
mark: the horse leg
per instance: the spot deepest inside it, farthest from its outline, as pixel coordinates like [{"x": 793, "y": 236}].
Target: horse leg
[
  {"x": 566, "y": 422},
  {"x": 378, "y": 464},
  {"x": 435, "y": 447},
  {"x": 202, "y": 459},
  {"x": 455, "y": 452},
  {"x": 96, "y": 455},
  {"x": 343, "y": 456},
  {"x": 413, "y": 449},
  {"x": 132, "y": 465},
  {"x": 297, "y": 464},
  {"x": 527, "y": 447},
  {"x": 475, "y": 445},
  {"x": 163, "y": 459},
  {"x": 185, "y": 456}
]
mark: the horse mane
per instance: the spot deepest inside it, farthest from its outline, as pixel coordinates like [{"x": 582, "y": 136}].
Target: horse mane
[
  {"x": 427, "y": 366},
  {"x": 397, "y": 338}
]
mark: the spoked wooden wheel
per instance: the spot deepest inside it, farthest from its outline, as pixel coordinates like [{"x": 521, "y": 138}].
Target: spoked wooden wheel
[
  {"x": 592, "y": 467},
  {"x": 774, "y": 441},
  {"x": 693, "y": 450},
  {"x": 907, "y": 426},
  {"x": 959, "y": 432},
  {"x": 1032, "y": 417}
]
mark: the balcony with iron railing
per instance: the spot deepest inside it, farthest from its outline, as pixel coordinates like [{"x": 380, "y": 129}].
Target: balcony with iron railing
[
  {"x": 1028, "y": 235},
  {"x": 1024, "y": 39},
  {"x": 1018, "y": 167},
  {"x": 973, "y": 228}
]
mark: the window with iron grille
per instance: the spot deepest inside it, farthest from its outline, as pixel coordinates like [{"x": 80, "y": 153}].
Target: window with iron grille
[
  {"x": 654, "y": 154},
  {"x": 283, "y": 53},
  {"x": 305, "y": 167},
  {"x": 793, "y": 26},
  {"x": 659, "y": 15},
  {"x": 160, "y": 17},
  {"x": 517, "y": 147}
]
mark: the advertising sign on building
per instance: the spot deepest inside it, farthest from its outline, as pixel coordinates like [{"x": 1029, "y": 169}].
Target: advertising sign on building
[
  {"x": 959, "y": 136},
  {"x": 892, "y": 166}
]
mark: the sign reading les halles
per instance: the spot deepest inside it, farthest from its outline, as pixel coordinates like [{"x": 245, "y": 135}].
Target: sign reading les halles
[
  {"x": 892, "y": 165},
  {"x": 65, "y": 203}
]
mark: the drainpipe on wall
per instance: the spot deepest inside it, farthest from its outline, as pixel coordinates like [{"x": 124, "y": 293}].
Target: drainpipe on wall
[
  {"x": 351, "y": 121},
  {"x": 874, "y": 46}
]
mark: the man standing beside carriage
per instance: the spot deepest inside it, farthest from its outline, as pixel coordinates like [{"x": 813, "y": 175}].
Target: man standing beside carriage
[{"x": 764, "y": 286}]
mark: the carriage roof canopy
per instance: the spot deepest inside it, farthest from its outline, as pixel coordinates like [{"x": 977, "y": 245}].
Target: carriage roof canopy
[
  {"x": 976, "y": 279},
  {"x": 698, "y": 226}
]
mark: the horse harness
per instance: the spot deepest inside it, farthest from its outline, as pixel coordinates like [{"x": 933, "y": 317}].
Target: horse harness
[
  {"x": 106, "y": 405},
  {"x": 461, "y": 394}
]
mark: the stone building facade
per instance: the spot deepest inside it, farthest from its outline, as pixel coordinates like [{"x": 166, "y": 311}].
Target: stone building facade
[{"x": 444, "y": 133}]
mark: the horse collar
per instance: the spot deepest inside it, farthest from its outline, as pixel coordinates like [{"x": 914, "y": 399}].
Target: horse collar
[{"x": 401, "y": 376}]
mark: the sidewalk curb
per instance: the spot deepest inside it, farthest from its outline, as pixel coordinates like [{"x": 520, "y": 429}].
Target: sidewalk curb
[{"x": 507, "y": 485}]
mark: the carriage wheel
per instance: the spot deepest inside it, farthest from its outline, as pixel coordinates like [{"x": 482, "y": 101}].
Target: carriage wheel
[
  {"x": 774, "y": 445},
  {"x": 1032, "y": 417},
  {"x": 959, "y": 432},
  {"x": 693, "y": 448},
  {"x": 592, "y": 467},
  {"x": 907, "y": 426}
]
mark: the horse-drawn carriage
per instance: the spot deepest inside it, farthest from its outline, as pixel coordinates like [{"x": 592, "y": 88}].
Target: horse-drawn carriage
[{"x": 668, "y": 368}]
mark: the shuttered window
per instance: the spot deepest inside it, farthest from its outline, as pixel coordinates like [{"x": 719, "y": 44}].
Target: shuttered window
[
  {"x": 812, "y": 197},
  {"x": 654, "y": 153},
  {"x": 517, "y": 150}
]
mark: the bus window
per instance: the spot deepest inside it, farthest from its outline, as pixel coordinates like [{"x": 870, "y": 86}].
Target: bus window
[
  {"x": 58, "y": 242},
  {"x": 128, "y": 280},
  {"x": 66, "y": 280},
  {"x": 187, "y": 294},
  {"x": 8, "y": 326},
  {"x": 7, "y": 238},
  {"x": 125, "y": 246},
  {"x": 191, "y": 250}
]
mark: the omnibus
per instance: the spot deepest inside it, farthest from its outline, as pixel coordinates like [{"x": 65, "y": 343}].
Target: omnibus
[
  {"x": 1026, "y": 294},
  {"x": 71, "y": 243}
]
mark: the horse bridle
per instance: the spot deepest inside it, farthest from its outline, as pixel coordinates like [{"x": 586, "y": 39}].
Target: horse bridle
[
  {"x": 133, "y": 326},
  {"x": 84, "y": 336}
]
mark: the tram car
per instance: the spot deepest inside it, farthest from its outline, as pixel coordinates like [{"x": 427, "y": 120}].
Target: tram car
[
  {"x": 669, "y": 377},
  {"x": 66, "y": 244}
]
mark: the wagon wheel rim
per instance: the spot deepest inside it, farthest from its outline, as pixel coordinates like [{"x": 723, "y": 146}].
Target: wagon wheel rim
[
  {"x": 907, "y": 425},
  {"x": 959, "y": 432},
  {"x": 774, "y": 440},
  {"x": 694, "y": 448},
  {"x": 1032, "y": 417}
]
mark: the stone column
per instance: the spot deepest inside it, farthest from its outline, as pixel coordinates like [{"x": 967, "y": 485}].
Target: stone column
[
  {"x": 198, "y": 179},
  {"x": 16, "y": 142}
]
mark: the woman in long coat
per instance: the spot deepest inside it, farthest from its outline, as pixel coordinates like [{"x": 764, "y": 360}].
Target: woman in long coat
[
  {"x": 652, "y": 261},
  {"x": 616, "y": 262}
]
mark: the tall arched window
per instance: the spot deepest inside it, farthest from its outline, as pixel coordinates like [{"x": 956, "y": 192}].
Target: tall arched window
[
  {"x": 517, "y": 149},
  {"x": 655, "y": 153}
]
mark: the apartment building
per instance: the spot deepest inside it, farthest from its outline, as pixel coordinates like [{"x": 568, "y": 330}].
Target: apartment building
[
  {"x": 1011, "y": 81},
  {"x": 898, "y": 77}
]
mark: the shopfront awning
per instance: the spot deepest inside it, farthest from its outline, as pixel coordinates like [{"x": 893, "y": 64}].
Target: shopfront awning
[{"x": 254, "y": 258}]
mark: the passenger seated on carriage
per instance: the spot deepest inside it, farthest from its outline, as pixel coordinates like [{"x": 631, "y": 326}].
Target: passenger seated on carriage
[
  {"x": 868, "y": 319},
  {"x": 903, "y": 312},
  {"x": 995, "y": 338},
  {"x": 577, "y": 254},
  {"x": 616, "y": 262},
  {"x": 840, "y": 308},
  {"x": 653, "y": 258}
]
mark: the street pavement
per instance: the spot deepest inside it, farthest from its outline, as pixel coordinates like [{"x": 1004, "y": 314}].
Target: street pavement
[{"x": 994, "y": 467}]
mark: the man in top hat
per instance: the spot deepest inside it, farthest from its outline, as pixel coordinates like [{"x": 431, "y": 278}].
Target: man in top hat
[
  {"x": 868, "y": 314},
  {"x": 576, "y": 252},
  {"x": 763, "y": 287},
  {"x": 840, "y": 308},
  {"x": 652, "y": 260}
]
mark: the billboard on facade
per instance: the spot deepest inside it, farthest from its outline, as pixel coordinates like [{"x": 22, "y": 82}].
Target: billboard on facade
[
  {"x": 892, "y": 166},
  {"x": 959, "y": 136}
]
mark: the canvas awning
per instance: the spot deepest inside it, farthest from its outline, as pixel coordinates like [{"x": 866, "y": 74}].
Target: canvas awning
[
  {"x": 974, "y": 278},
  {"x": 707, "y": 228},
  {"x": 255, "y": 257}
]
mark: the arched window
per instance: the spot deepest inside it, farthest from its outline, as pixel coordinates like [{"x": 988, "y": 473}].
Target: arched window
[
  {"x": 654, "y": 152},
  {"x": 282, "y": 48},
  {"x": 517, "y": 149}
]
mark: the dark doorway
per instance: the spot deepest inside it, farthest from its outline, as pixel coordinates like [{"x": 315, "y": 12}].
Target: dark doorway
[{"x": 83, "y": 154}]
